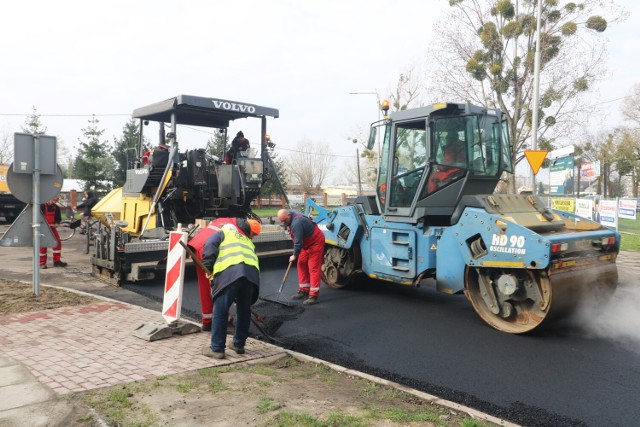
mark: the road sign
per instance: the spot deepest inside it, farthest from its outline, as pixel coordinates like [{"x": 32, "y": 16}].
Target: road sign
[
  {"x": 20, "y": 233},
  {"x": 535, "y": 159},
  {"x": 21, "y": 185},
  {"x": 24, "y": 152}
]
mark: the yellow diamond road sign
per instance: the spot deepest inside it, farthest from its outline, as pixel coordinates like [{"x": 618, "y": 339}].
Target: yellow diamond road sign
[{"x": 535, "y": 159}]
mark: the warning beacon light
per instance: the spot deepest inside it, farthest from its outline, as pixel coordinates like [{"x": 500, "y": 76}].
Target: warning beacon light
[{"x": 384, "y": 106}]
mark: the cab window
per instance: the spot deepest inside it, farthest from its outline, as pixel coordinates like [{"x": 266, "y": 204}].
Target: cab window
[{"x": 410, "y": 160}]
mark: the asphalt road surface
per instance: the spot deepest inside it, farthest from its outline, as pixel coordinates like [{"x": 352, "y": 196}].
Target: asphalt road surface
[{"x": 577, "y": 373}]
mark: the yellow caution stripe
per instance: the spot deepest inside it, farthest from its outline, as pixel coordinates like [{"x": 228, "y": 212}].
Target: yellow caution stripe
[{"x": 503, "y": 263}]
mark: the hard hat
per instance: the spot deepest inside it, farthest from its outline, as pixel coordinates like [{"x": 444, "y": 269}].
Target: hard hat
[{"x": 255, "y": 226}]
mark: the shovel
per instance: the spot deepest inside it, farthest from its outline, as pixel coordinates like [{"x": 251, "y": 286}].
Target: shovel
[
  {"x": 276, "y": 300},
  {"x": 254, "y": 316}
]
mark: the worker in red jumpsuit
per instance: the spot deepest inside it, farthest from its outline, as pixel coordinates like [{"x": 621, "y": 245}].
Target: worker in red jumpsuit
[
  {"x": 454, "y": 158},
  {"x": 204, "y": 283},
  {"x": 52, "y": 215},
  {"x": 308, "y": 250}
]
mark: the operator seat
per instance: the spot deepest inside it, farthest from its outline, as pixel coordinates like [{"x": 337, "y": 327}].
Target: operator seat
[{"x": 158, "y": 159}]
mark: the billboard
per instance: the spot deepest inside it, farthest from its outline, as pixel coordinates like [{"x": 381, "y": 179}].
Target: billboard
[
  {"x": 561, "y": 177},
  {"x": 590, "y": 169}
]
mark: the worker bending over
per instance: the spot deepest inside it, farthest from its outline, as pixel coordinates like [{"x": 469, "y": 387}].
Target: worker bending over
[
  {"x": 231, "y": 255},
  {"x": 308, "y": 250},
  {"x": 204, "y": 284}
]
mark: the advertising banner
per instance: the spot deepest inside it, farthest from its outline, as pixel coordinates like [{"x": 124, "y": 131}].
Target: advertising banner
[
  {"x": 566, "y": 205},
  {"x": 584, "y": 208},
  {"x": 627, "y": 208},
  {"x": 605, "y": 211}
]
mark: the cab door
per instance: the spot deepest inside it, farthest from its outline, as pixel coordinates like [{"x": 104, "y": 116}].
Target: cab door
[{"x": 405, "y": 158}]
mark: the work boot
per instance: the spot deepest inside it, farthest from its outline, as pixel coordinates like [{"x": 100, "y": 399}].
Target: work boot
[
  {"x": 311, "y": 301},
  {"x": 299, "y": 295},
  {"x": 206, "y": 351},
  {"x": 206, "y": 327},
  {"x": 43, "y": 266},
  {"x": 238, "y": 350},
  {"x": 59, "y": 264}
]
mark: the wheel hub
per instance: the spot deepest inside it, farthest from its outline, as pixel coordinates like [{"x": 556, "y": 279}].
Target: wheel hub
[{"x": 507, "y": 284}]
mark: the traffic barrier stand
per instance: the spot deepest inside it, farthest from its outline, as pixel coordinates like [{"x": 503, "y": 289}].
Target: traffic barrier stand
[{"x": 172, "y": 300}]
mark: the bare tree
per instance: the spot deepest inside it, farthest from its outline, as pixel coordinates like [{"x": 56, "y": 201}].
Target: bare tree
[
  {"x": 631, "y": 106},
  {"x": 485, "y": 54},
  {"x": 309, "y": 165},
  {"x": 631, "y": 137},
  {"x": 628, "y": 157},
  {"x": 405, "y": 94},
  {"x": 407, "y": 91},
  {"x": 6, "y": 147}
]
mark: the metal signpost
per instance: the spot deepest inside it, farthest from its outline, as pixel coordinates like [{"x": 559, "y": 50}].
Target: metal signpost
[{"x": 33, "y": 177}]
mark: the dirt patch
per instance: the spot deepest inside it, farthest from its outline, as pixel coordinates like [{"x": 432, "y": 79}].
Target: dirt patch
[
  {"x": 18, "y": 297},
  {"x": 285, "y": 392}
]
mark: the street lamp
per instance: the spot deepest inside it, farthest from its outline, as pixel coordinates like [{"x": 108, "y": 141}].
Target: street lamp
[{"x": 379, "y": 105}]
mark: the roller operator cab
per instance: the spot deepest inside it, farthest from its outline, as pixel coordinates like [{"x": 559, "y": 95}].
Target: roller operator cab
[
  {"x": 434, "y": 215},
  {"x": 166, "y": 186}
]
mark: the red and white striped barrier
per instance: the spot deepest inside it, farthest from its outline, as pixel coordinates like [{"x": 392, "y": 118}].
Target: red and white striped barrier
[{"x": 174, "y": 279}]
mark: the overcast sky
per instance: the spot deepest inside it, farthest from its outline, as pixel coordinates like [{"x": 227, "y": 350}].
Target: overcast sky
[{"x": 71, "y": 59}]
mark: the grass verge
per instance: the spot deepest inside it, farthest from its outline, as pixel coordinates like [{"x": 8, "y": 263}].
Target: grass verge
[{"x": 284, "y": 393}]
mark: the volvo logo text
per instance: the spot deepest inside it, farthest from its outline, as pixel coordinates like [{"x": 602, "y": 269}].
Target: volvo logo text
[{"x": 234, "y": 106}]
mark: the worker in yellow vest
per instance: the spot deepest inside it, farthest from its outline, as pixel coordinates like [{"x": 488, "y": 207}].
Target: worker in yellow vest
[{"x": 230, "y": 255}]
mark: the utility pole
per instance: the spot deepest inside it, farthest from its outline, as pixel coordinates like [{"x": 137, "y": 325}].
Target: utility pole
[{"x": 536, "y": 90}]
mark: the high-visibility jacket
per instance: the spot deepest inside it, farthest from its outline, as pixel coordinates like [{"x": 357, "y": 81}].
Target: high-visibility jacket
[{"x": 236, "y": 248}]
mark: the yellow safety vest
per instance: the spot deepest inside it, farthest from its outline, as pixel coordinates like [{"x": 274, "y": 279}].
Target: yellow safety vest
[{"x": 235, "y": 249}]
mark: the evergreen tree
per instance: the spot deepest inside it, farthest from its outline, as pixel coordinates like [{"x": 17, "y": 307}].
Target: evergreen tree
[
  {"x": 124, "y": 148},
  {"x": 33, "y": 125},
  {"x": 217, "y": 145},
  {"x": 94, "y": 164},
  {"x": 271, "y": 187}
]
